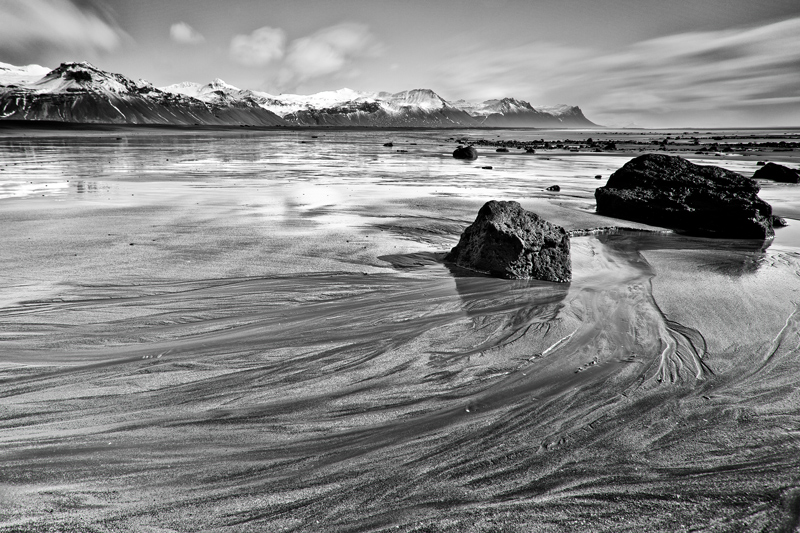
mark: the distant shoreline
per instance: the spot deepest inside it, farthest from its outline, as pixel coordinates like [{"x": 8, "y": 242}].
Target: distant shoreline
[{"x": 84, "y": 126}]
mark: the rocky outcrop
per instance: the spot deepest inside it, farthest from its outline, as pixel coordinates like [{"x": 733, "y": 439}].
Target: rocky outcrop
[
  {"x": 776, "y": 172},
  {"x": 672, "y": 192},
  {"x": 465, "y": 152},
  {"x": 506, "y": 241},
  {"x": 779, "y": 222}
]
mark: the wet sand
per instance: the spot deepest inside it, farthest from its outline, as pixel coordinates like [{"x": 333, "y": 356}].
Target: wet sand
[{"x": 259, "y": 335}]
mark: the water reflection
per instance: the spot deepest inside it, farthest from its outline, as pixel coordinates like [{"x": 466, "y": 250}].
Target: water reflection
[
  {"x": 90, "y": 187},
  {"x": 730, "y": 257}
]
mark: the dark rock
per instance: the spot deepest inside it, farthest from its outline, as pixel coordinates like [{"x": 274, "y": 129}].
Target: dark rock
[
  {"x": 502, "y": 150},
  {"x": 388, "y": 144},
  {"x": 670, "y": 191},
  {"x": 506, "y": 241},
  {"x": 486, "y": 168},
  {"x": 530, "y": 151},
  {"x": 775, "y": 172},
  {"x": 760, "y": 164},
  {"x": 401, "y": 151},
  {"x": 779, "y": 222},
  {"x": 553, "y": 188},
  {"x": 598, "y": 177},
  {"x": 465, "y": 152}
]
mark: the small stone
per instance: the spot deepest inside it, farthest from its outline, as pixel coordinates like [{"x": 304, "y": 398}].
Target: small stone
[{"x": 465, "y": 152}]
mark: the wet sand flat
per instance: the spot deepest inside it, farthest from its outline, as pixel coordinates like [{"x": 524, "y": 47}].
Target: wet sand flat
[{"x": 255, "y": 332}]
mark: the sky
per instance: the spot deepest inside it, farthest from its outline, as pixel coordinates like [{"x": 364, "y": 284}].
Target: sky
[{"x": 648, "y": 63}]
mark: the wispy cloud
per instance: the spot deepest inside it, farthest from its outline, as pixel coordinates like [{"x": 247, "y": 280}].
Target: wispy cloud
[
  {"x": 327, "y": 51},
  {"x": 258, "y": 48},
  {"x": 668, "y": 78},
  {"x": 182, "y": 33},
  {"x": 30, "y": 27}
]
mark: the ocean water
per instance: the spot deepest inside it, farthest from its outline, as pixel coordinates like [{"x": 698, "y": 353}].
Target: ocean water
[{"x": 243, "y": 330}]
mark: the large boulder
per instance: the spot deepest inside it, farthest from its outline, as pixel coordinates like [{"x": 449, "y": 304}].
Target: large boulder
[
  {"x": 670, "y": 191},
  {"x": 506, "y": 241},
  {"x": 465, "y": 152},
  {"x": 776, "y": 172}
]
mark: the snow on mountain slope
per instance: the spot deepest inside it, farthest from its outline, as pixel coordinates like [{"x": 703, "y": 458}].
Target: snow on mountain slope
[
  {"x": 511, "y": 112},
  {"x": 421, "y": 98},
  {"x": 506, "y": 105},
  {"x": 186, "y": 88},
  {"x": 13, "y": 75},
  {"x": 286, "y": 104},
  {"x": 82, "y": 76}
]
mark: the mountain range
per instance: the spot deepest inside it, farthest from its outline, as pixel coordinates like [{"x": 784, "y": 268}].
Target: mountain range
[{"x": 82, "y": 93}]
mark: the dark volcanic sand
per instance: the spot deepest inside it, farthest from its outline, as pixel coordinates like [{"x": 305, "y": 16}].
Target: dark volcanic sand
[{"x": 281, "y": 349}]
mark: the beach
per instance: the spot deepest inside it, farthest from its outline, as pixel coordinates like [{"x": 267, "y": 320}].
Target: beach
[{"x": 253, "y": 330}]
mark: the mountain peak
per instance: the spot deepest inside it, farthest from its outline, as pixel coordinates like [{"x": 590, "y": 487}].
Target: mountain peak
[
  {"x": 83, "y": 76},
  {"x": 219, "y": 84},
  {"x": 425, "y": 98}
]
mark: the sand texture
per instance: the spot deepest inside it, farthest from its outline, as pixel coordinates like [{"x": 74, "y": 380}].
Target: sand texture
[{"x": 256, "y": 332}]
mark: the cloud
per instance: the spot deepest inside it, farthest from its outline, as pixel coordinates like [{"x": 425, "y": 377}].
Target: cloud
[
  {"x": 182, "y": 33},
  {"x": 328, "y": 51},
  {"x": 717, "y": 76},
  {"x": 259, "y": 48},
  {"x": 31, "y": 27}
]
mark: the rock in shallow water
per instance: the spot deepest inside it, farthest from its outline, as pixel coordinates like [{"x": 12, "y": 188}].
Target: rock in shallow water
[
  {"x": 776, "y": 172},
  {"x": 506, "y": 241},
  {"x": 700, "y": 200},
  {"x": 465, "y": 152}
]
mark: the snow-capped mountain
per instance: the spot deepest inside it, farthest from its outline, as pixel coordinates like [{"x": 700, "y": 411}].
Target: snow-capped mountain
[
  {"x": 415, "y": 108},
  {"x": 80, "y": 92},
  {"x": 510, "y": 112}
]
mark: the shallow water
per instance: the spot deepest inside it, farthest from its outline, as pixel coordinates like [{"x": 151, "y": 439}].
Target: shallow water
[{"x": 256, "y": 332}]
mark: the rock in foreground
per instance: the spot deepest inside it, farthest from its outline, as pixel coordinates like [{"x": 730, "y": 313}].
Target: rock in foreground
[
  {"x": 465, "y": 152},
  {"x": 506, "y": 241},
  {"x": 779, "y": 173},
  {"x": 670, "y": 191}
]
